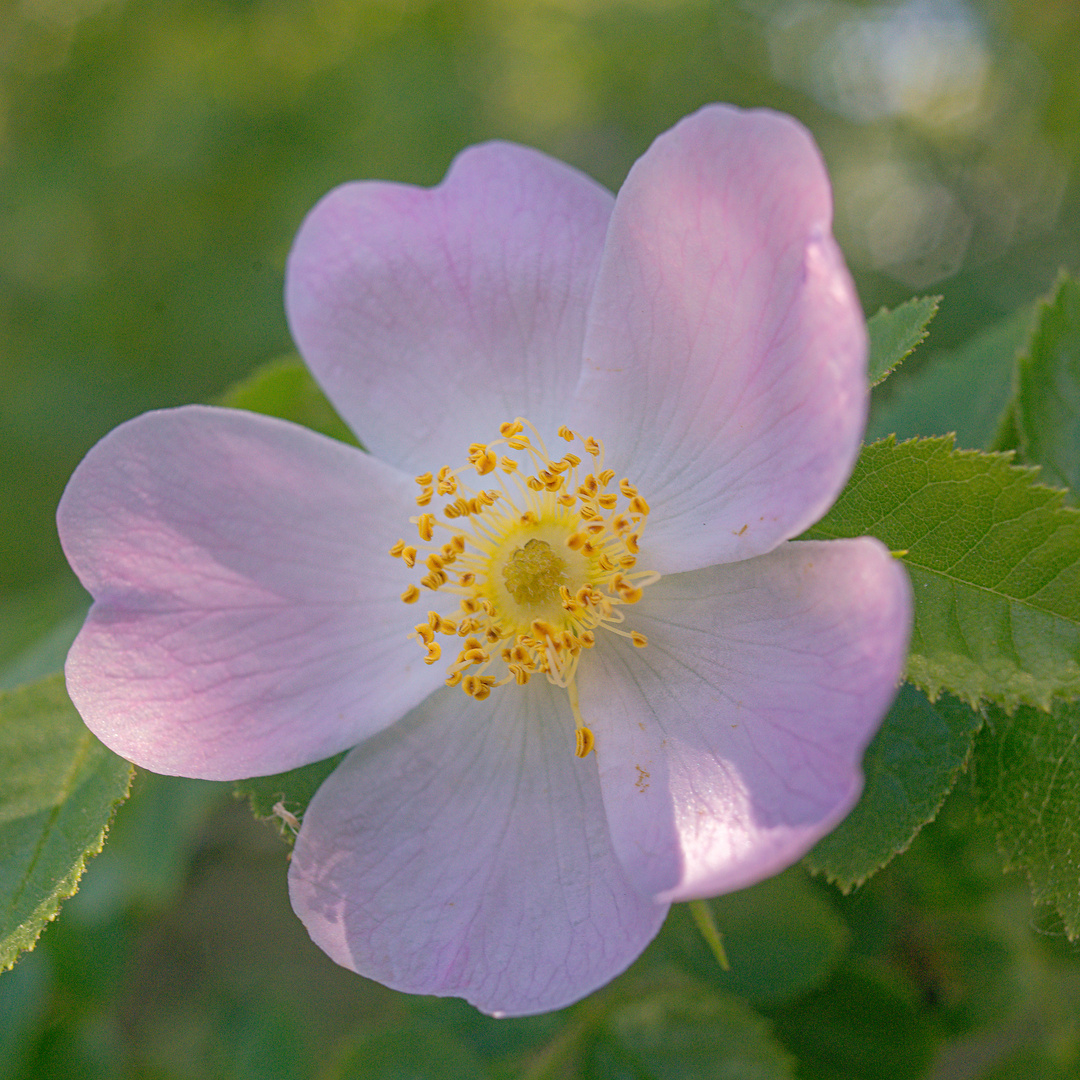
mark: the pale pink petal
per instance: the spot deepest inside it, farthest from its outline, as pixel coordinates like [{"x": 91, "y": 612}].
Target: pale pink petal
[
  {"x": 733, "y": 740},
  {"x": 725, "y": 356},
  {"x": 465, "y": 852},
  {"x": 247, "y": 615},
  {"x": 432, "y": 315}
]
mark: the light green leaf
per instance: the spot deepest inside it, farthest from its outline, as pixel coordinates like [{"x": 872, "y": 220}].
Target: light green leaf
[
  {"x": 966, "y": 391},
  {"x": 686, "y": 1035},
  {"x": 1027, "y": 768},
  {"x": 59, "y": 788},
  {"x": 283, "y": 797},
  {"x": 284, "y": 388},
  {"x": 781, "y": 937},
  {"x": 910, "y": 767},
  {"x": 894, "y": 334},
  {"x": 1047, "y": 413},
  {"x": 994, "y": 560}
]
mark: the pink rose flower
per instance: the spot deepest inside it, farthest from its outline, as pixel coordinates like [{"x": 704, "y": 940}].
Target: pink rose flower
[{"x": 480, "y": 601}]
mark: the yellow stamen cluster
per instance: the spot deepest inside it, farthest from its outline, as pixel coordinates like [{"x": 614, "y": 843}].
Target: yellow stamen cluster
[{"x": 539, "y": 562}]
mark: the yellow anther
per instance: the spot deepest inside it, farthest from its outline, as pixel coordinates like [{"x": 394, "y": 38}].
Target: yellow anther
[
  {"x": 627, "y": 561},
  {"x": 425, "y": 526},
  {"x": 589, "y": 487},
  {"x": 606, "y": 477},
  {"x": 605, "y": 563},
  {"x": 409, "y": 555},
  {"x": 424, "y": 479},
  {"x": 457, "y": 542},
  {"x": 575, "y": 541},
  {"x": 466, "y": 579},
  {"x": 572, "y": 460},
  {"x": 639, "y": 640},
  {"x": 587, "y": 639},
  {"x": 627, "y": 488},
  {"x": 434, "y": 652},
  {"x": 474, "y": 656},
  {"x": 425, "y": 633},
  {"x": 534, "y": 484},
  {"x": 638, "y": 506},
  {"x": 521, "y": 676},
  {"x": 424, "y": 498},
  {"x": 566, "y": 433},
  {"x": 454, "y": 679},
  {"x": 508, "y": 465},
  {"x": 411, "y": 595},
  {"x": 433, "y": 618},
  {"x": 486, "y": 463},
  {"x": 584, "y": 742},
  {"x": 397, "y": 549},
  {"x": 566, "y": 499},
  {"x": 434, "y": 562},
  {"x": 631, "y": 543},
  {"x": 592, "y": 446},
  {"x": 608, "y": 500},
  {"x": 447, "y": 626},
  {"x": 510, "y": 427}
]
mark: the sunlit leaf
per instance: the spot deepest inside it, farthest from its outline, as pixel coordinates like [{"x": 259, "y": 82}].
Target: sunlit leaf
[
  {"x": 894, "y": 334},
  {"x": 59, "y": 788},
  {"x": 994, "y": 560},
  {"x": 1028, "y": 774},
  {"x": 910, "y": 767}
]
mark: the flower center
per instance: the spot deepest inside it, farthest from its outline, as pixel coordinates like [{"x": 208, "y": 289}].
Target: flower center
[{"x": 539, "y": 563}]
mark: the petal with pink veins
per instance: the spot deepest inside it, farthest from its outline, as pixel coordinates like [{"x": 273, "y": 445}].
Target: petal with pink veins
[
  {"x": 733, "y": 740},
  {"x": 465, "y": 852},
  {"x": 725, "y": 354},
  {"x": 247, "y": 615},
  {"x": 430, "y": 316}
]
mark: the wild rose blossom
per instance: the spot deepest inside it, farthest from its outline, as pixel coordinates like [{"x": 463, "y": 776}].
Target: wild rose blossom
[{"x": 594, "y": 424}]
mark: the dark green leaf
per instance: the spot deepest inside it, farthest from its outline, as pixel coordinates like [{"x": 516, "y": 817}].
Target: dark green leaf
[
  {"x": 894, "y": 334},
  {"x": 681, "y": 1035},
  {"x": 781, "y": 938},
  {"x": 59, "y": 788},
  {"x": 425, "y": 1054},
  {"x": 1028, "y": 774},
  {"x": 966, "y": 391},
  {"x": 285, "y": 388},
  {"x": 910, "y": 767},
  {"x": 1048, "y": 395},
  {"x": 994, "y": 560},
  {"x": 856, "y": 1027},
  {"x": 283, "y": 797}
]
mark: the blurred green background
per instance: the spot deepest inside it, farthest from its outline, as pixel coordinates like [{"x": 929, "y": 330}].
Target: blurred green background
[{"x": 156, "y": 159}]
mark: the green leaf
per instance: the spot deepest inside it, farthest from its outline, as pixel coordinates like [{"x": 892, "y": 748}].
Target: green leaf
[
  {"x": 686, "y": 1035},
  {"x": 857, "y": 1027},
  {"x": 284, "y": 388},
  {"x": 894, "y": 334},
  {"x": 1027, "y": 768},
  {"x": 994, "y": 560},
  {"x": 283, "y": 797},
  {"x": 1047, "y": 412},
  {"x": 966, "y": 391},
  {"x": 59, "y": 788},
  {"x": 781, "y": 937},
  {"x": 910, "y": 767},
  {"x": 410, "y": 1054}
]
